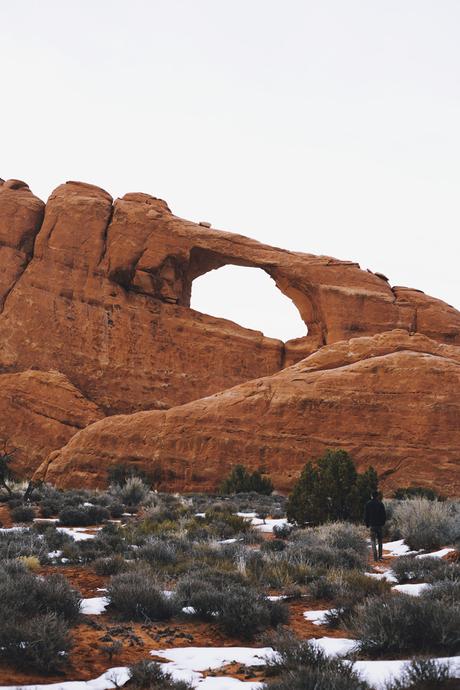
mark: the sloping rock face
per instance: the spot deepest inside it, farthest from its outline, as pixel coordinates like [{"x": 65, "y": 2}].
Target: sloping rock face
[
  {"x": 100, "y": 291},
  {"x": 391, "y": 400},
  {"x": 40, "y": 411}
]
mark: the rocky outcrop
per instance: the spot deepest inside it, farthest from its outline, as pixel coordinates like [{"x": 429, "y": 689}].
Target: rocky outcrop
[
  {"x": 39, "y": 412},
  {"x": 391, "y": 400},
  {"x": 99, "y": 290}
]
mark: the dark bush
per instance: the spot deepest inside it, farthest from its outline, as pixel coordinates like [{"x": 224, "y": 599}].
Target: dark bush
[
  {"x": 401, "y": 624},
  {"x": 40, "y": 643},
  {"x": 55, "y": 539},
  {"x": 240, "y": 480},
  {"x": 74, "y": 517},
  {"x": 402, "y": 494},
  {"x": 24, "y": 594},
  {"x": 116, "y": 510},
  {"x": 282, "y": 531},
  {"x": 83, "y": 516},
  {"x": 111, "y": 565},
  {"x": 50, "y": 507},
  {"x": 330, "y": 490},
  {"x": 273, "y": 546},
  {"x": 22, "y": 513},
  {"x": 135, "y": 596}
]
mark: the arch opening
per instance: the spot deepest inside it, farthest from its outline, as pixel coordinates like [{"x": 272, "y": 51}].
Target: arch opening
[{"x": 249, "y": 297}]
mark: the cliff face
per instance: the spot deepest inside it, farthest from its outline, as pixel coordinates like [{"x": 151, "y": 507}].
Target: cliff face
[
  {"x": 99, "y": 291},
  {"x": 392, "y": 400}
]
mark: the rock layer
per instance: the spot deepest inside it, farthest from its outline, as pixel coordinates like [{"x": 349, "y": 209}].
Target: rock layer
[{"x": 100, "y": 291}]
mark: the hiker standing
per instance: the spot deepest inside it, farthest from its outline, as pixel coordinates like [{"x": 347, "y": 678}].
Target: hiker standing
[{"x": 375, "y": 517}]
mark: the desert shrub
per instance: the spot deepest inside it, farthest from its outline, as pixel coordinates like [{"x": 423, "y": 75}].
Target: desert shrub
[
  {"x": 304, "y": 666},
  {"x": 50, "y": 507},
  {"x": 273, "y": 546},
  {"x": 322, "y": 587},
  {"x": 22, "y": 542},
  {"x": 110, "y": 565},
  {"x": 22, "y": 513},
  {"x": 398, "y": 624},
  {"x": 116, "y": 509},
  {"x": 158, "y": 552},
  {"x": 341, "y": 677},
  {"x": 55, "y": 539},
  {"x": 349, "y": 589},
  {"x": 282, "y": 531},
  {"x": 97, "y": 514},
  {"x": 425, "y": 524},
  {"x": 245, "y": 613},
  {"x": 428, "y": 569},
  {"x": 135, "y": 595},
  {"x": 40, "y": 643},
  {"x": 82, "y": 516},
  {"x": 344, "y": 536},
  {"x": 404, "y": 493},
  {"x": 447, "y": 591},
  {"x": 423, "y": 674},
  {"x": 148, "y": 675},
  {"x": 74, "y": 517},
  {"x": 330, "y": 490},
  {"x": 24, "y": 594},
  {"x": 132, "y": 492},
  {"x": 225, "y": 598},
  {"x": 317, "y": 547},
  {"x": 224, "y": 524},
  {"x": 31, "y": 562},
  {"x": 240, "y": 480}
]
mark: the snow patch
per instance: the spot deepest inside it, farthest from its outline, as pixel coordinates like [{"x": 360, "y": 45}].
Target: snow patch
[
  {"x": 413, "y": 590},
  {"x": 317, "y": 617},
  {"x": 379, "y": 673},
  {"x": 436, "y": 554},
  {"x": 94, "y": 606}
]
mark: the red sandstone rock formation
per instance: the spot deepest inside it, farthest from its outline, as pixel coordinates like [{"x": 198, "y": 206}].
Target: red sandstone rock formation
[
  {"x": 391, "y": 400},
  {"x": 40, "y": 411},
  {"x": 100, "y": 291}
]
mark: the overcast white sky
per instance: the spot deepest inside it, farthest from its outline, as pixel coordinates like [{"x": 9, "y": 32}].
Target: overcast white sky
[{"x": 326, "y": 126}]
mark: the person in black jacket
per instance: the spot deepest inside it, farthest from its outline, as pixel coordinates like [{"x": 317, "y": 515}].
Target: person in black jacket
[{"x": 375, "y": 517}]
